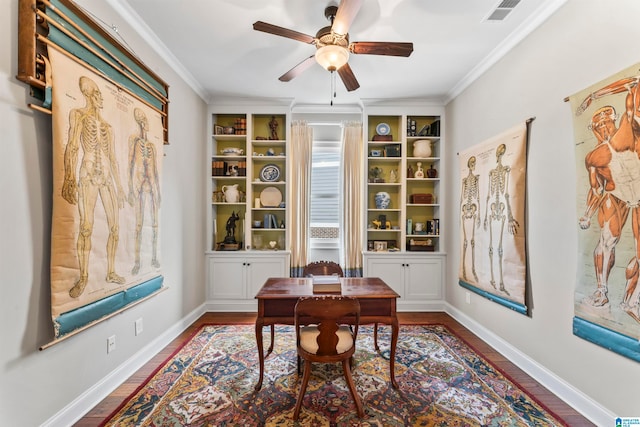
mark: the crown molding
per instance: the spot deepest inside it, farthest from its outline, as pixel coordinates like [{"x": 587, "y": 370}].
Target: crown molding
[
  {"x": 550, "y": 7},
  {"x": 138, "y": 24}
]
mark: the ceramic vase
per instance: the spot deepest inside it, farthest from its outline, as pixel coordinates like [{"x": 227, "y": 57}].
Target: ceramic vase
[
  {"x": 383, "y": 200},
  {"x": 422, "y": 148}
]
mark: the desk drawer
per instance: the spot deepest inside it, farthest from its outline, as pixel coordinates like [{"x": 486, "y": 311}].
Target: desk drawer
[
  {"x": 279, "y": 308},
  {"x": 375, "y": 307}
]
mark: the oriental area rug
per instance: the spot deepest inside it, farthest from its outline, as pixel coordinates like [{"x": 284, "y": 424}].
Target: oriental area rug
[{"x": 442, "y": 381}]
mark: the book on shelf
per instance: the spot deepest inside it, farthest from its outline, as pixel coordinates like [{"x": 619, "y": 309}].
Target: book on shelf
[
  {"x": 326, "y": 284},
  {"x": 270, "y": 221}
]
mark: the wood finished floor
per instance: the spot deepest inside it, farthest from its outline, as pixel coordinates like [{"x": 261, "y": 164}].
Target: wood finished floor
[{"x": 557, "y": 406}]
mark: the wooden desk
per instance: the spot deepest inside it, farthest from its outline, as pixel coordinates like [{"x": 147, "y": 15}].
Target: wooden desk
[{"x": 278, "y": 296}]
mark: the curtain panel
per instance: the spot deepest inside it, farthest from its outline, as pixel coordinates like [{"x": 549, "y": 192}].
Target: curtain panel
[
  {"x": 301, "y": 146},
  {"x": 351, "y": 237}
]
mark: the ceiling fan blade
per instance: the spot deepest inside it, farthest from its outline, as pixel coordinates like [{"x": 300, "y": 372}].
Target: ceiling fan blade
[
  {"x": 381, "y": 48},
  {"x": 348, "y": 78},
  {"x": 283, "y": 32},
  {"x": 345, "y": 15},
  {"x": 298, "y": 69}
]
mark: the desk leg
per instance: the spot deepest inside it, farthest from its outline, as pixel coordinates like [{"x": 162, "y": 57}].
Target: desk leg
[
  {"x": 270, "y": 349},
  {"x": 259, "y": 326},
  {"x": 392, "y": 355}
]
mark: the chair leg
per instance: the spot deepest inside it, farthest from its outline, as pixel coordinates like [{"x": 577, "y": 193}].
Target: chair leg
[
  {"x": 375, "y": 337},
  {"x": 352, "y": 388},
  {"x": 303, "y": 388}
]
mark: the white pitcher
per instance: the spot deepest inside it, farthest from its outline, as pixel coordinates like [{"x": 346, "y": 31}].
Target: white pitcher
[{"x": 231, "y": 194}]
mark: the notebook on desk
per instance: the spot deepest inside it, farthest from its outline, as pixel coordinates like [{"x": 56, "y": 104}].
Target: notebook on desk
[{"x": 326, "y": 284}]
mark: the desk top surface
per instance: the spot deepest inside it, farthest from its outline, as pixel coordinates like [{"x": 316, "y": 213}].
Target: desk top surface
[{"x": 296, "y": 287}]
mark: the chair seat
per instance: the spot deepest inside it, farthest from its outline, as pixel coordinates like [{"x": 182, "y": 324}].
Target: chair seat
[{"x": 309, "y": 335}]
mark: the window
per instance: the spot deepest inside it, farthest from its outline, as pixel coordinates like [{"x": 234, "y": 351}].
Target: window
[{"x": 325, "y": 194}]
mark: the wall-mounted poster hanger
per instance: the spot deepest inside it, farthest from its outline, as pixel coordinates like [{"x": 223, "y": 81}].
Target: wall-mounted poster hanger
[{"x": 63, "y": 25}]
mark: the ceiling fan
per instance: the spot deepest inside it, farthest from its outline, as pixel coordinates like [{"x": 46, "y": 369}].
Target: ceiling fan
[{"x": 333, "y": 46}]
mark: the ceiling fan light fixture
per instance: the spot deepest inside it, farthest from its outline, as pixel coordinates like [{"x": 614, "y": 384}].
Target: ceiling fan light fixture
[{"x": 332, "y": 57}]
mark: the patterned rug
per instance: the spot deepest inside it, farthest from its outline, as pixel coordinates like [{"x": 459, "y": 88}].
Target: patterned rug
[{"x": 443, "y": 382}]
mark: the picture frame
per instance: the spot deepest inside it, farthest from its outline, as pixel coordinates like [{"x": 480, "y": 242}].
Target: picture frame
[
  {"x": 218, "y": 130},
  {"x": 375, "y": 153},
  {"x": 380, "y": 246},
  {"x": 392, "y": 151}
]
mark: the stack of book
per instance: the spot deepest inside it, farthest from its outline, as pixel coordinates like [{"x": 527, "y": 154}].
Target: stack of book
[
  {"x": 326, "y": 284},
  {"x": 270, "y": 221}
]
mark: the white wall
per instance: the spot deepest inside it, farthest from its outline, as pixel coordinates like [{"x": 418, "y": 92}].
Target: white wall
[
  {"x": 582, "y": 43},
  {"x": 36, "y": 385}
]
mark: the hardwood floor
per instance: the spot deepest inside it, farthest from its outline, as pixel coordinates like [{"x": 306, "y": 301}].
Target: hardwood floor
[{"x": 557, "y": 406}]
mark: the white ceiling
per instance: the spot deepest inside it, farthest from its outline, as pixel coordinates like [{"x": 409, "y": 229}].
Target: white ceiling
[{"x": 212, "y": 44}]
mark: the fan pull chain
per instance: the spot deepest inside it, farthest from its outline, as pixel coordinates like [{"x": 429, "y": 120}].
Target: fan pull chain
[{"x": 333, "y": 87}]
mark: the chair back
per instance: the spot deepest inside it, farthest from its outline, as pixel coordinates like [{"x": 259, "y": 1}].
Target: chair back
[
  {"x": 327, "y": 314},
  {"x": 322, "y": 268}
]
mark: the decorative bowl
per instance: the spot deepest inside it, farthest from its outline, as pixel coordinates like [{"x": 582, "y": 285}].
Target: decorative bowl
[{"x": 232, "y": 151}]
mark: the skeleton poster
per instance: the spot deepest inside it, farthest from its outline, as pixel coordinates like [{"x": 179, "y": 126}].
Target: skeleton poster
[
  {"x": 107, "y": 160},
  {"x": 606, "y": 126},
  {"x": 492, "y": 218}
]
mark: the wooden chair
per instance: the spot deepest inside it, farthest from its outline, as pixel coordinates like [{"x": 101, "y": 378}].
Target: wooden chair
[
  {"x": 327, "y": 268},
  {"x": 322, "y": 268},
  {"x": 323, "y": 335},
  {"x": 319, "y": 268}
]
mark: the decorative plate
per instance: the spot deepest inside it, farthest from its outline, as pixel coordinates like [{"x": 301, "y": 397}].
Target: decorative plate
[
  {"x": 383, "y": 129},
  {"x": 270, "y": 173},
  {"x": 270, "y": 197}
]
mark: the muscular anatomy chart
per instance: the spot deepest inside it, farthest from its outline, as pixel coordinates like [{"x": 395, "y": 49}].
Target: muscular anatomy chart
[
  {"x": 105, "y": 143},
  {"x": 492, "y": 208},
  {"x": 606, "y": 122}
]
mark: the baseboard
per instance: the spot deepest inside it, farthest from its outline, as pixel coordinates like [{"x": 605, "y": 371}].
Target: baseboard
[
  {"x": 75, "y": 410},
  {"x": 570, "y": 395},
  {"x": 231, "y": 306}
]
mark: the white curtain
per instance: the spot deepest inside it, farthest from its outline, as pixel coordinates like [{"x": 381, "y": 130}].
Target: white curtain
[
  {"x": 352, "y": 181},
  {"x": 300, "y": 182}
]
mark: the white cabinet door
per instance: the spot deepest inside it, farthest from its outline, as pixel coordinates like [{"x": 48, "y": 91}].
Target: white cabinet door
[
  {"x": 389, "y": 269},
  {"x": 417, "y": 278},
  {"x": 259, "y": 269},
  {"x": 227, "y": 277},
  {"x": 423, "y": 278}
]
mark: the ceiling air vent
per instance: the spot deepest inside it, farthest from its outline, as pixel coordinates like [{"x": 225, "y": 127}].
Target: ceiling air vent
[{"x": 502, "y": 10}]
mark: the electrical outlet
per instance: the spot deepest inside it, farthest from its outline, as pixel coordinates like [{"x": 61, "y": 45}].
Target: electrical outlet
[
  {"x": 111, "y": 343},
  {"x": 468, "y": 297},
  {"x": 138, "y": 326}
]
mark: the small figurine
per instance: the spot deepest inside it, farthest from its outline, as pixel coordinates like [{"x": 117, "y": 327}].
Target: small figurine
[
  {"x": 273, "y": 125},
  {"x": 231, "y": 228},
  {"x": 410, "y": 172},
  {"x": 393, "y": 176}
]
